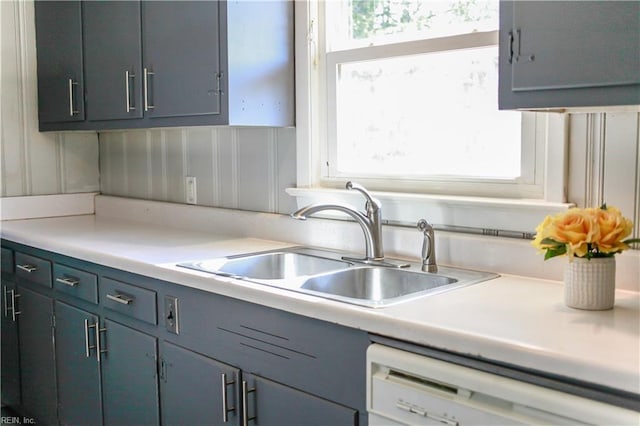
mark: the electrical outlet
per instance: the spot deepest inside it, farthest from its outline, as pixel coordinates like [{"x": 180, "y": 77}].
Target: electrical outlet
[
  {"x": 171, "y": 314},
  {"x": 190, "y": 189}
]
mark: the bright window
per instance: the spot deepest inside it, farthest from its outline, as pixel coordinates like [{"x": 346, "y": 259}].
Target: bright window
[
  {"x": 401, "y": 96},
  {"x": 411, "y": 100}
]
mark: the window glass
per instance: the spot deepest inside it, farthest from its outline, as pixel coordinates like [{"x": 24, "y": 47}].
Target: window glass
[
  {"x": 422, "y": 115},
  {"x": 374, "y": 22}
]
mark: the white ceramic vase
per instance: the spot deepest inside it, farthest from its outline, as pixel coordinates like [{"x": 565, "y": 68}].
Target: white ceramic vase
[{"x": 590, "y": 284}]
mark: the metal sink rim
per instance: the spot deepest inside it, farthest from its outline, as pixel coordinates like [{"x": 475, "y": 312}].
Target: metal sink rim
[{"x": 463, "y": 277}]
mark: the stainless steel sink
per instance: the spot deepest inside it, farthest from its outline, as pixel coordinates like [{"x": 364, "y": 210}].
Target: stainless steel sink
[
  {"x": 375, "y": 285},
  {"x": 278, "y": 265},
  {"x": 324, "y": 274}
]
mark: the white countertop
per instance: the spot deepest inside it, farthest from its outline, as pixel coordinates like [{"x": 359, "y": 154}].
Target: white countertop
[{"x": 512, "y": 319}]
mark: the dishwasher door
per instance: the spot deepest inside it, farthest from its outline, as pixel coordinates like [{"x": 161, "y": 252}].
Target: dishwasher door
[{"x": 404, "y": 388}]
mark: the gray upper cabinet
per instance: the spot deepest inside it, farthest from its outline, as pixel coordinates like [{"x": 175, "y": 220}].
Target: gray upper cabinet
[
  {"x": 181, "y": 58},
  {"x": 113, "y": 52},
  {"x": 568, "y": 54},
  {"x": 173, "y": 63},
  {"x": 59, "y": 55}
]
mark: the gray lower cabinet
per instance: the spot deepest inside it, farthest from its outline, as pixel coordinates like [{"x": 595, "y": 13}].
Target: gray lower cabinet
[
  {"x": 211, "y": 385},
  {"x": 94, "y": 347},
  {"x": 10, "y": 379},
  {"x": 129, "y": 374},
  {"x": 104, "y": 369},
  {"x": 37, "y": 367},
  {"x": 77, "y": 367},
  {"x": 271, "y": 404}
]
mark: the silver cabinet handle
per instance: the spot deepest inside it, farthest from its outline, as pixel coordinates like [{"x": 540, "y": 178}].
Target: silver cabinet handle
[
  {"x": 71, "y": 282},
  {"x": 120, "y": 298},
  {"x": 87, "y": 346},
  {"x": 128, "y": 76},
  {"x": 72, "y": 110},
  {"x": 98, "y": 345},
  {"x": 27, "y": 268},
  {"x": 245, "y": 409},
  {"x": 14, "y": 313},
  {"x": 225, "y": 410},
  {"x": 99, "y": 349},
  {"x": 147, "y": 105}
]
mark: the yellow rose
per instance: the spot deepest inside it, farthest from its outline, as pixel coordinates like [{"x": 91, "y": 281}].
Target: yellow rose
[
  {"x": 613, "y": 228},
  {"x": 542, "y": 232},
  {"x": 576, "y": 228}
]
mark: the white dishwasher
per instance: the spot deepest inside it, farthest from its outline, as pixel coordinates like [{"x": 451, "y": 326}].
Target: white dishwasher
[{"x": 404, "y": 388}]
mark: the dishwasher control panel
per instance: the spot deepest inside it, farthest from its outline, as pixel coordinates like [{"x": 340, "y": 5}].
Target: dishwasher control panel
[{"x": 404, "y": 388}]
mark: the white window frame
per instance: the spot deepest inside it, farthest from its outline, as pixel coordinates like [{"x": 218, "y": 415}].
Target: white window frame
[{"x": 520, "y": 205}]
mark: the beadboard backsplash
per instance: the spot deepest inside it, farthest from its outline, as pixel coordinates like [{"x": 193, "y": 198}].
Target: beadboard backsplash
[{"x": 237, "y": 168}]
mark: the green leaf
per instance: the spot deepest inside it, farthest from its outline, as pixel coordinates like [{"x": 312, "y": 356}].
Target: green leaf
[
  {"x": 556, "y": 251},
  {"x": 552, "y": 242}
]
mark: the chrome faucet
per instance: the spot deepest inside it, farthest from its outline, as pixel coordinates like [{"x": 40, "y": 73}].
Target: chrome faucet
[
  {"x": 428, "y": 247},
  {"x": 370, "y": 221}
]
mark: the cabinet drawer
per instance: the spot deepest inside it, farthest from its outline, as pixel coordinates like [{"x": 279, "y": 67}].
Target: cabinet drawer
[
  {"x": 7, "y": 261},
  {"x": 81, "y": 284},
  {"x": 128, "y": 299},
  {"x": 33, "y": 269}
]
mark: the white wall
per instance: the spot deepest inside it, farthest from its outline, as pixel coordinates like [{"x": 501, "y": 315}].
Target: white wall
[{"x": 33, "y": 163}]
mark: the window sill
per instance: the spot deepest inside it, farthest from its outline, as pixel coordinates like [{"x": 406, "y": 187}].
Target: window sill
[{"x": 490, "y": 215}]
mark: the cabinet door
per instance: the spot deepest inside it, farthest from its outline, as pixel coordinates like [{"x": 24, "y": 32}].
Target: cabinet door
[
  {"x": 129, "y": 376},
  {"x": 587, "y": 51},
  {"x": 9, "y": 345},
  {"x": 182, "y": 51},
  {"x": 77, "y": 366},
  {"x": 187, "y": 373},
  {"x": 112, "y": 59},
  {"x": 59, "y": 54},
  {"x": 566, "y": 44},
  {"x": 37, "y": 365},
  {"x": 270, "y": 403}
]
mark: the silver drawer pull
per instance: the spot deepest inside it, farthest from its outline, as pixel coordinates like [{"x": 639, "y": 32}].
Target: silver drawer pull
[
  {"x": 27, "y": 268},
  {"x": 120, "y": 298},
  {"x": 71, "y": 282}
]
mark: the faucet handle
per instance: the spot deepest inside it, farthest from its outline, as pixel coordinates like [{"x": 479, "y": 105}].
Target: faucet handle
[{"x": 372, "y": 203}]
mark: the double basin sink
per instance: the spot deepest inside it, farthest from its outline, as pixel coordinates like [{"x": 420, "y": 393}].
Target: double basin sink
[{"x": 325, "y": 274}]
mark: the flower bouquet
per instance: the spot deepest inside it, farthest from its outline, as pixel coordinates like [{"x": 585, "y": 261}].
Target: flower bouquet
[{"x": 590, "y": 238}]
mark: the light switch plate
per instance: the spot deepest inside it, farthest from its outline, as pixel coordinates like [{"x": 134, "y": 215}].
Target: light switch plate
[{"x": 171, "y": 314}]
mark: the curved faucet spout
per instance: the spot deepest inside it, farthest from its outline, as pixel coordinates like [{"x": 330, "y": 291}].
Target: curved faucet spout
[{"x": 372, "y": 235}]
